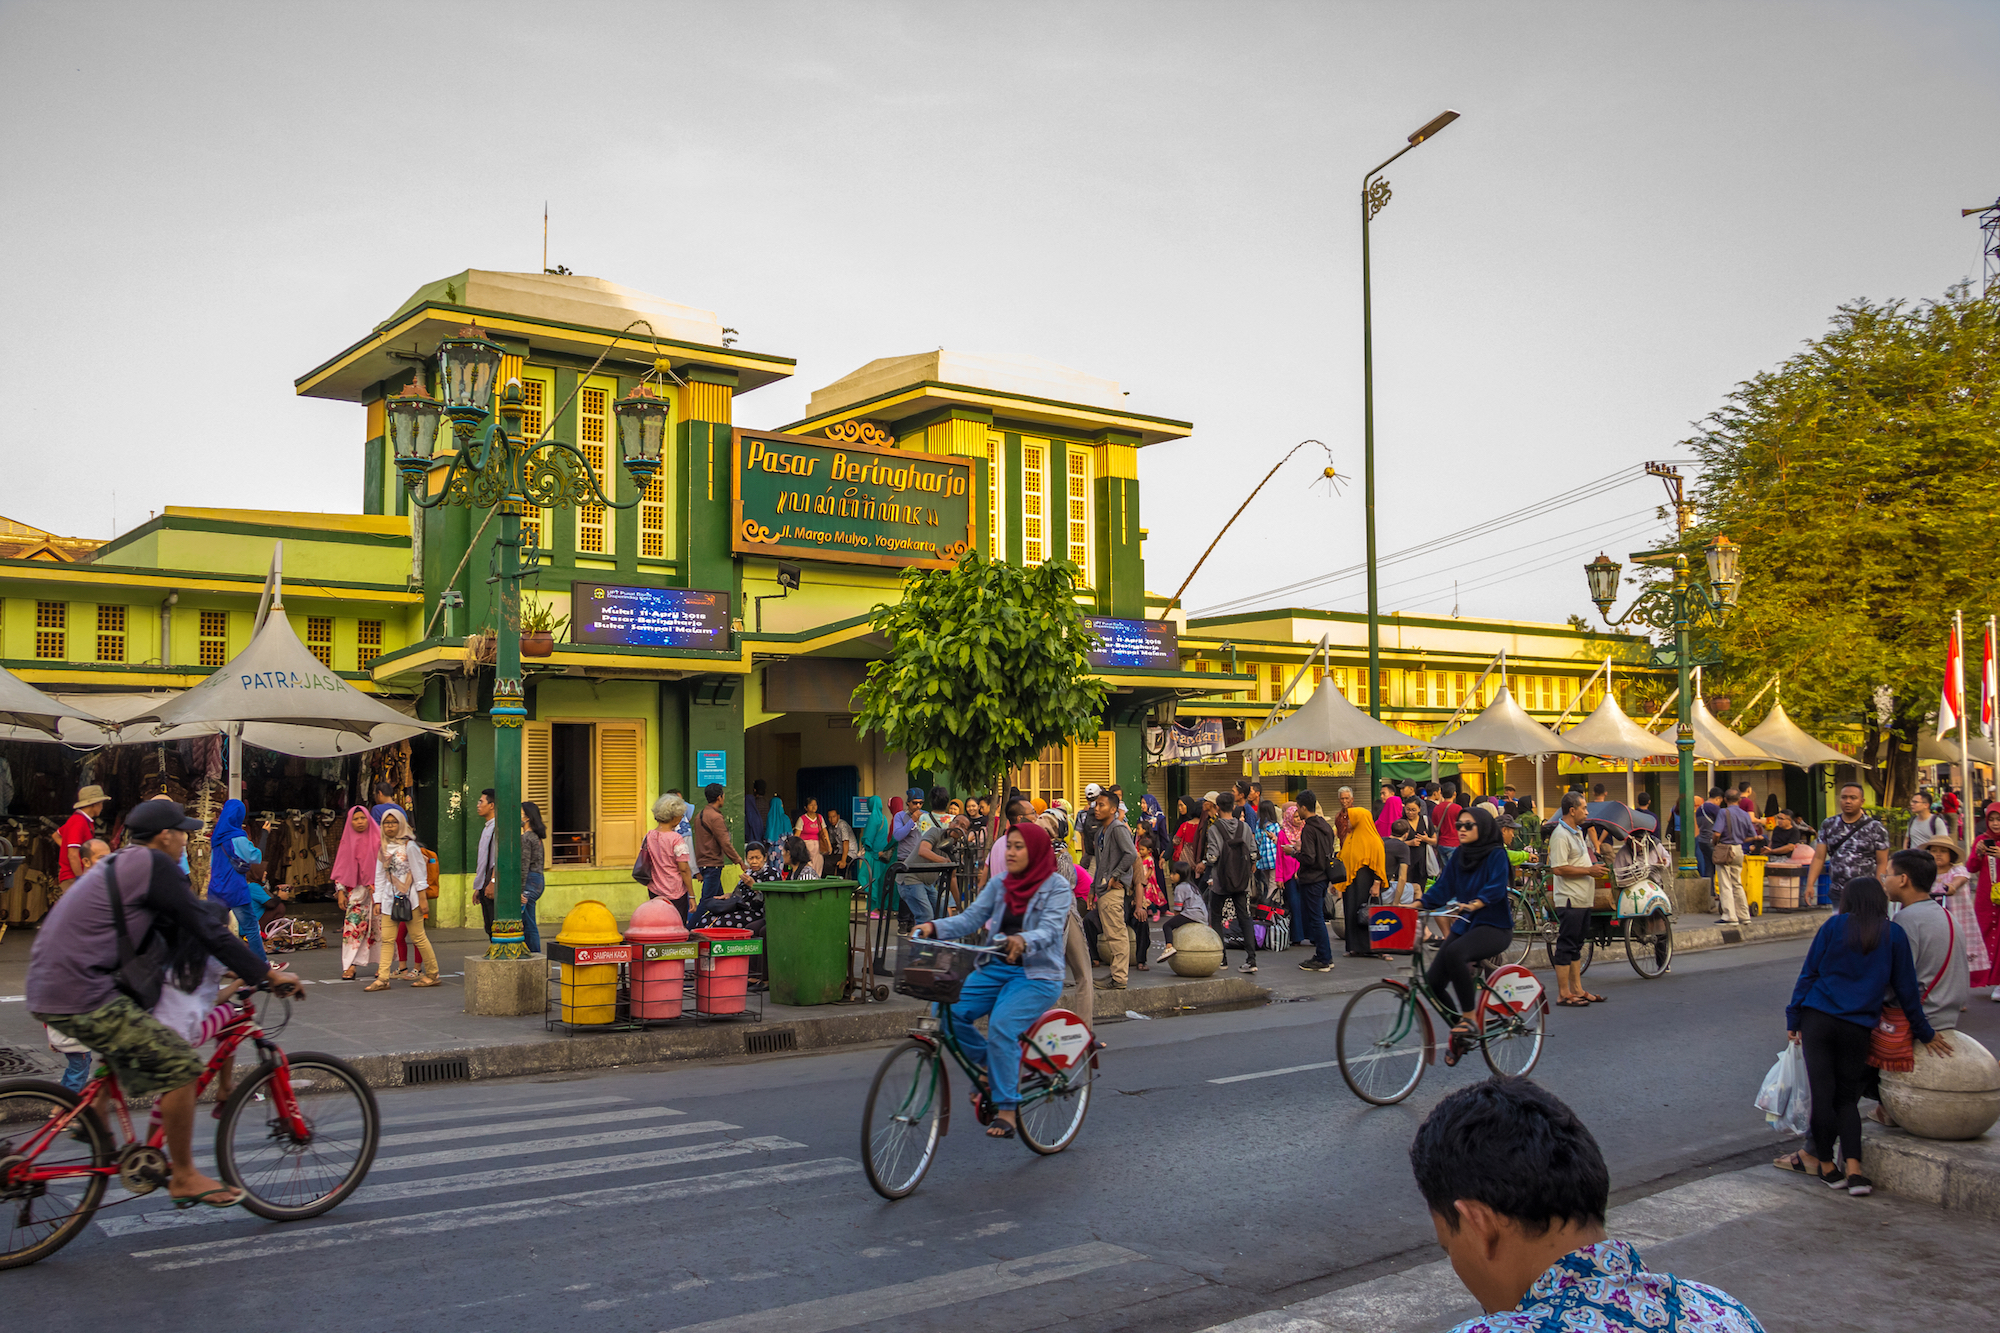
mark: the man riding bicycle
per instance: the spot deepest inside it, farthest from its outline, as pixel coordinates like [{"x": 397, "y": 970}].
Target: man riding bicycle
[
  {"x": 74, "y": 982},
  {"x": 1476, "y": 876},
  {"x": 1027, "y": 911}
]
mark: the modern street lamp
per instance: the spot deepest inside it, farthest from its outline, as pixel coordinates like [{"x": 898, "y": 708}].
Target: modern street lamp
[
  {"x": 1692, "y": 605},
  {"x": 1375, "y": 198},
  {"x": 494, "y": 468}
]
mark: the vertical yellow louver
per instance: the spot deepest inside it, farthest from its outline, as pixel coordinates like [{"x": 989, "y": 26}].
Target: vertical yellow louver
[
  {"x": 593, "y": 430},
  {"x": 1079, "y": 510},
  {"x": 996, "y": 544},
  {"x": 110, "y": 633},
  {"x": 1034, "y": 501},
  {"x": 534, "y": 420}
]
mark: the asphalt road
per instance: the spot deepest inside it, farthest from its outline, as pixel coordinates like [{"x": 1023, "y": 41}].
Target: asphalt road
[{"x": 730, "y": 1197}]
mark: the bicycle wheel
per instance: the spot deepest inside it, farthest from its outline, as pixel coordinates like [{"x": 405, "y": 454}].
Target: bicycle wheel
[
  {"x": 900, "y": 1123},
  {"x": 1050, "y": 1116},
  {"x": 1649, "y": 944},
  {"x": 1527, "y": 930},
  {"x": 42, "y": 1214},
  {"x": 1380, "y": 1044},
  {"x": 297, "y": 1138},
  {"x": 1513, "y": 1044}
]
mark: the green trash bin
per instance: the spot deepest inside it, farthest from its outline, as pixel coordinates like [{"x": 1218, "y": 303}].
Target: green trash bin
[{"x": 805, "y": 938}]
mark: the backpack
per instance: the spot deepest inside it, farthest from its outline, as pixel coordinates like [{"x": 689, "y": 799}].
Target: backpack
[{"x": 1235, "y": 867}]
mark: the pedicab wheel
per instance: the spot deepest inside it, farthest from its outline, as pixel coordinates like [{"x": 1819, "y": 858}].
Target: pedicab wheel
[
  {"x": 900, "y": 1123},
  {"x": 42, "y": 1217},
  {"x": 1649, "y": 943},
  {"x": 1525, "y": 933},
  {"x": 1589, "y": 949},
  {"x": 1514, "y": 1044},
  {"x": 881, "y": 992},
  {"x": 1050, "y": 1117},
  {"x": 1380, "y": 1044},
  {"x": 298, "y": 1137}
]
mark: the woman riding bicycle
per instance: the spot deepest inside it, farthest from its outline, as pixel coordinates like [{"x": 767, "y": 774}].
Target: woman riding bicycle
[
  {"x": 1026, "y": 911},
  {"x": 1476, "y": 876}
]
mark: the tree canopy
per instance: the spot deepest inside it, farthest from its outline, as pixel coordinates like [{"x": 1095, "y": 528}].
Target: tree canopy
[
  {"x": 1862, "y": 480},
  {"x": 988, "y": 664}
]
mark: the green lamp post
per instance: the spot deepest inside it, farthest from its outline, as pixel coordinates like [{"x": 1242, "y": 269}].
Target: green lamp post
[
  {"x": 1691, "y": 605},
  {"x": 494, "y": 468},
  {"x": 1375, "y": 198}
]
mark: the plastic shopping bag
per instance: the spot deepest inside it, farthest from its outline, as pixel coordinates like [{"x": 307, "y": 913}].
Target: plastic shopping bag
[{"x": 1785, "y": 1099}]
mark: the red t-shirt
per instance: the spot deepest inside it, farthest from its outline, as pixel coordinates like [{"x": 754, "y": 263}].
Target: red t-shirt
[
  {"x": 1447, "y": 824},
  {"x": 76, "y": 831}
]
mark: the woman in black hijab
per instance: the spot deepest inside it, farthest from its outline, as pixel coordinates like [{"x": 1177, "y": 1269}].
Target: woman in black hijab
[{"x": 1477, "y": 876}]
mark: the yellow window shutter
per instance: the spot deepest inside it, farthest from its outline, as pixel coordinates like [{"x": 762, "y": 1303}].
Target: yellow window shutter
[
  {"x": 621, "y": 789},
  {"x": 535, "y": 780},
  {"x": 1092, "y": 761}
]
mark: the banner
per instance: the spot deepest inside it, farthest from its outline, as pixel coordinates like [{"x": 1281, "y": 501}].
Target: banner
[
  {"x": 799, "y": 496},
  {"x": 1202, "y": 743},
  {"x": 1658, "y": 763}
]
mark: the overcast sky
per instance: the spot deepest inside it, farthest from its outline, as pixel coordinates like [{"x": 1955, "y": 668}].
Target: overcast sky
[{"x": 1641, "y": 206}]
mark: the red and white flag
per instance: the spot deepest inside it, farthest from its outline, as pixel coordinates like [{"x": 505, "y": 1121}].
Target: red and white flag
[
  {"x": 1954, "y": 685},
  {"x": 1989, "y": 688}
]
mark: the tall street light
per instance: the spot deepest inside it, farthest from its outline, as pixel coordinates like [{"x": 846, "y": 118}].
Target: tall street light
[
  {"x": 1375, "y": 198},
  {"x": 494, "y": 468}
]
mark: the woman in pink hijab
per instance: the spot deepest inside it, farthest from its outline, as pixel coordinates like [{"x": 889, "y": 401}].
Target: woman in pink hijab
[
  {"x": 1392, "y": 810},
  {"x": 354, "y": 888}
]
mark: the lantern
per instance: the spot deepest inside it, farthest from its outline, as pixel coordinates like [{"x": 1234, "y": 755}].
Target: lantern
[
  {"x": 467, "y": 364},
  {"x": 413, "y": 422},
  {"x": 1722, "y": 554},
  {"x": 642, "y": 429},
  {"x": 1603, "y": 576}
]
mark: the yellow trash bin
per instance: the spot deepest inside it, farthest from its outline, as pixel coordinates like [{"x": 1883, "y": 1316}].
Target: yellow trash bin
[
  {"x": 1753, "y": 883},
  {"x": 586, "y": 990}
]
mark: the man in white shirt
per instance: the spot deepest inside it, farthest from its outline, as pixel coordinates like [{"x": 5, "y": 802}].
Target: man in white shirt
[
  {"x": 1573, "y": 886},
  {"x": 482, "y": 870}
]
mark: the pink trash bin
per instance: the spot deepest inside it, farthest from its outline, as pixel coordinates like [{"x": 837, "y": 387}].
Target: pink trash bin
[{"x": 657, "y": 980}]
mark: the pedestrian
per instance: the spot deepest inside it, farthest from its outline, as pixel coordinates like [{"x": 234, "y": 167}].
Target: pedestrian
[
  {"x": 907, "y": 832},
  {"x": 486, "y": 864},
  {"x": 1231, "y": 856},
  {"x": 846, "y": 847},
  {"x": 1852, "y": 843},
  {"x": 1266, "y": 830},
  {"x": 812, "y": 832},
  {"x": 1391, "y": 811},
  {"x": 1475, "y": 876},
  {"x": 1954, "y": 887},
  {"x": 1204, "y": 870},
  {"x": 1573, "y": 880},
  {"x": 1396, "y": 864},
  {"x": 1288, "y": 868},
  {"x": 662, "y": 865},
  {"x": 236, "y": 872},
  {"x": 1517, "y": 1190},
  {"x": 1444, "y": 818},
  {"x": 1086, "y": 826},
  {"x": 1149, "y": 899},
  {"x": 1319, "y": 864},
  {"x": 1115, "y": 857},
  {"x": 1734, "y": 831},
  {"x": 1984, "y": 859},
  {"x": 534, "y": 836},
  {"x": 1940, "y": 964},
  {"x": 1704, "y": 833},
  {"x": 354, "y": 889},
  {"x": 712, "y": 843},
  {"x": 1153, "y": 820},
  {"x": 73, "y": 838},
  {"x": 1187, "y": 828},
  {"x": 1857, "y": 956},
  {"x": 872, "y": 869},
  {"x": 1362, "y": 852},
  {"x": 1188, "y": 907},
  {"x": 398, "y": 861},
  {"x": 756, "y": 811},
  {"x": 777, "y": 825},
  {"x": 1923, "y": 824}
]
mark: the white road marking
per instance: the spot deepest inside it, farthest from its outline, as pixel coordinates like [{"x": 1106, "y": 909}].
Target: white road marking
[
  {"x": 295, "y": 1241},
  {"x": 1273, "y": 1073},
  {"x": 930, "y": 1293},
  {"x": 504, "y": 1126},
  {"x": 616, "y": 1137},
  {"x": 393, "y": 1191},
  {"x": 393, "y": 1110}
]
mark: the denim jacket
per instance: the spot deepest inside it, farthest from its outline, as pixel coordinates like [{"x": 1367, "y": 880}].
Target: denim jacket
[{"x": 1042, "y": 925}]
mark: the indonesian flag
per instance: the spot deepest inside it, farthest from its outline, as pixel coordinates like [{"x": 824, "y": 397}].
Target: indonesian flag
[
  {"x": 1954, "y": 686},
  {"x": 1989, "y": 689}
]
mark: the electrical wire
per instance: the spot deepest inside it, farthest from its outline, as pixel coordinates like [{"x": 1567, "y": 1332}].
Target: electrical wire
[
  {"x": 1648, "y": 513},
  {"x": 1568, "y": 554}
]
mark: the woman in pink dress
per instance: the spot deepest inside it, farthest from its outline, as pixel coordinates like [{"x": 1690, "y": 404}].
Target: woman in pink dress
[
  {"x": 812, "y": 830},
  {"x": 1984, "y": 860},
  {"x": 354, "y": 889}
]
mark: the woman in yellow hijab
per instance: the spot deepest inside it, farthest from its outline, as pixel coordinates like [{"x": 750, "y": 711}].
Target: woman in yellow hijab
[{"x": 1362, "y": 853}]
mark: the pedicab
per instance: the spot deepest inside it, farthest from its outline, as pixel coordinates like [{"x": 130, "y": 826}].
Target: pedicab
[{"x": 1632, "y": 908}]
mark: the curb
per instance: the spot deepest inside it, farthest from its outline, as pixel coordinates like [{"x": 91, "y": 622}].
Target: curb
[
  {"x": 1760, "y": 930},
  {"x": 1961, "y": 1177}
]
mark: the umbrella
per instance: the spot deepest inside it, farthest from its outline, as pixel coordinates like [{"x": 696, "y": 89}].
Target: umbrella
[
  {"x": 26, "y": 714},
  {"x": 117, "y": 709},
  {"x": 1778, "y": 735},
  {"x": 1504, "y": 728},
  {"x": 1328, "y": 722},
  {"x": 1717, "y": 744},
  {"x": 1610, "y": 733},
  {"x": 286, "y": 699}
]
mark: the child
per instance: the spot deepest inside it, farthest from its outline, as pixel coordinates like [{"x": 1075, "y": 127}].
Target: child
[
  {"x": 1189, "y": 908},
  {"x": 1147, "y": 899},
  {"x": 1955, "y": 883}
]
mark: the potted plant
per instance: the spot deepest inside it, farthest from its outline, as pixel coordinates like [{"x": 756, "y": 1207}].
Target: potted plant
[{"x": 539, "y": 627}]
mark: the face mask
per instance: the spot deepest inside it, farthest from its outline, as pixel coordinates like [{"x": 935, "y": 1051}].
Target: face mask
[{"x": 185, "y": 868}]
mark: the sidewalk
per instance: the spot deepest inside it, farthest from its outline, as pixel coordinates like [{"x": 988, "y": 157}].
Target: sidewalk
[{"x": 384, "y": 1033}]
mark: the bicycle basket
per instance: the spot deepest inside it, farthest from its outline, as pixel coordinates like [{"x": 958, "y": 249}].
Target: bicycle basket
[{"x": 932, "y": 971}]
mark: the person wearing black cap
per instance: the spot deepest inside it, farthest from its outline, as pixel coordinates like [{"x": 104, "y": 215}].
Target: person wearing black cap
[{"x": 74, "y": 984}]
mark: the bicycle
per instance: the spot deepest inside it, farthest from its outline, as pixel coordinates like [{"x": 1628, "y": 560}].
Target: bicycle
[
  {"x": 1385, "y": 1036},
  {"x": 296, "y": 1136},
  {"x": 909, "y": 1103}
]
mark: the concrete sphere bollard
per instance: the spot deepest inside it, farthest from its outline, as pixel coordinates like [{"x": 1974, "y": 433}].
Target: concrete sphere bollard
[
  {"x": 1954, "y": 1097},
  {"x": 1197, "y": 951}
]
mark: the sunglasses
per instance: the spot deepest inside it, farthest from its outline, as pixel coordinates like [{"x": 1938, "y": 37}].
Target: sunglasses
[{"x": 1467, "y": 826}]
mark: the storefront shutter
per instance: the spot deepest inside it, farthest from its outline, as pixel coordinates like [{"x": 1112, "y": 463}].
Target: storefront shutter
[
  {"x": 535, "y": 772},
  {"x": 621, "y": 790},
  {"x": 1091, "y": 761}
]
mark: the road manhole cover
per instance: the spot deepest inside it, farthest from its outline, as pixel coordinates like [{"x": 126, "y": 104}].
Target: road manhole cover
[{"x": 17, "y": 1062}]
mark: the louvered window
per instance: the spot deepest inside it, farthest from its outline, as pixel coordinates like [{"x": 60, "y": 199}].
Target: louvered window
[
  {"x": 110, "y": 633},
  {"x": 1079, "y": 510},
  {"x": 593, "y": 429},
  {"x": 368, "y": 641},
  {"x": 319, "y": 638},
  {"x": 52, "y": 630},
  {"x": 534, "y": 419},
  {"x": 996, "y": 545},
  {"x": 1034, "y": 502},
  {"x": 214, "y": 630}
]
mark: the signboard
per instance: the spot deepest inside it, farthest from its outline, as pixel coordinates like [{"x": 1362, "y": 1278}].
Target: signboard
[
  {"x": 731, "y": 949},
  {"x": 711, "y": 766},
  {"x": 630, "y": 617},
  {"x": 1134, "y": 643},
  {"x": 654, "y": 953},
  {"x": 591, "y": 954},
  {"x": 843, "y": 499}
]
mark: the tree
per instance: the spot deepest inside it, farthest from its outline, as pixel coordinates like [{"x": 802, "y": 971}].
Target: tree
[
  {"x": 1861, "y": 478},
  {"x": 988, "y": 665}
]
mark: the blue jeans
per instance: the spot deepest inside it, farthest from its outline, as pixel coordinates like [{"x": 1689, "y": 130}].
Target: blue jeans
[
  {"x": 1010, "y": 1001},
  {"x": 711, "y": 882},
  {"x": 1295, "y": 906},
  {"x": 77, "y": 1072},
  {"x": 1312, "y": 904},
  {"x": 532, "y": 885},
  {"x": 247, "y": 919},
  {"x": 921, "y": 899}
]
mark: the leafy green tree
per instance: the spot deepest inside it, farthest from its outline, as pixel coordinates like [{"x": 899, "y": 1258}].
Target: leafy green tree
[
  {"x": 988, "y": 665},
  {"x": 1862, "y": 479}
]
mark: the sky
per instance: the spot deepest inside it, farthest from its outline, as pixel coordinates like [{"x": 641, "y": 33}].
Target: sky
[{"x": 1640, "y": 207}]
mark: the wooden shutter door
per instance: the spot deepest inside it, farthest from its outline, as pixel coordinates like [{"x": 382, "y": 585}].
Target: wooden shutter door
[
  {"x": 1091, "y": 761},
  {"x": 621, "y": 791},
  {"x": 535, "y": 771}
]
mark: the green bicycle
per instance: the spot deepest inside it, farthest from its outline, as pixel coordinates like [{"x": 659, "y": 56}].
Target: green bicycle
[
  {"x": 909, "y": 1103},
  {"x": 1385, "y": 1036}
]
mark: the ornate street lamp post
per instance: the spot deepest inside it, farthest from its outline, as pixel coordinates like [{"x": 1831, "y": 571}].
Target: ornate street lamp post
[
  {"x": 494, "y": 468},
  {"x": 1692, "y": 605}
]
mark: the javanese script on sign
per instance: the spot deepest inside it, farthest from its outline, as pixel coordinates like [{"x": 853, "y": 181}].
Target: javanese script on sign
[{"x": 799, "y": 495}]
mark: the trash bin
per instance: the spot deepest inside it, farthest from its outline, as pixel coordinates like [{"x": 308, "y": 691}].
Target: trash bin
[
  {"x": 590, "y": 950},
  {"x": 660, "y": 952},
  {"x": 722, "y": 976},
  {"x": 805, "y": 934},
  {"x": 1753, "y": 883}
]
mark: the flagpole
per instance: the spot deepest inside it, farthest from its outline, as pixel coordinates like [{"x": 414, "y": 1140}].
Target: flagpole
[
  {"x": 1988, "y": 706},
  {"x": 1957, "y": 684}
]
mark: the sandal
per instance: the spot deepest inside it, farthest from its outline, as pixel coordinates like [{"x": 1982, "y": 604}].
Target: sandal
[
  {"x": 1588, "y": 998},
  {"x": 1456, "y": 1048},
  {"x": 377, "y": 984},
  {"x": 1828, "y": 1174},
  {"x": 208, "y": 1199},
  {"x": 1573, "y": 1002},
  {"x": 421, "y": 982},
  {"x": 999, "y": 1129},
  {"x": 348, "y": 975}
]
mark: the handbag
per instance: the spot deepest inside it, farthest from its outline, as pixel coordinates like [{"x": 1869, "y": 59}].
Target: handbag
[
  {"x": 400, "y": 909},
  {"x": 1892, "y": 1044},
  {"x": 140, "y": 975},
  {"x": 1725, "y": 854}
]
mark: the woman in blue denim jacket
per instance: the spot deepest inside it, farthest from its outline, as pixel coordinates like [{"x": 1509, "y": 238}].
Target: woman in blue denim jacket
[{"x": 1025, "y": 912}]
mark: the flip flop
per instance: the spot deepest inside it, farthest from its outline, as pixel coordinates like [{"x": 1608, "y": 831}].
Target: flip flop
[
  {"x": 1577, "y": 1003},
  {"x": 1588, "y": 998},
  {"x": 999, "y": 1129},
  {"x": 207, "y": 1198}
]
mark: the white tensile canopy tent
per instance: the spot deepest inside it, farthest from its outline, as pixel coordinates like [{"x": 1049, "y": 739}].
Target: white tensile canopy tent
[
  {"x": 1609, "y": 734},
  {"x": 1326, "y": 721},
  {"x": 1504, "y": 727},
  {"x": 27, "y": 714},
  {"x": 1779, "y": 736},
  {"x": 1716, "y": 744}
]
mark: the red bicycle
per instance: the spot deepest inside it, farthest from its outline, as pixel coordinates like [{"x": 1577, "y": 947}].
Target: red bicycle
[{"x": 296, "y": 1136}]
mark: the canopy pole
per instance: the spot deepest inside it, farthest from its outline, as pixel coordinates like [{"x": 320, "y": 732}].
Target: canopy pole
[
  {"x": 1631, "y": 786},
  {"x": 1539, "y": 806},
  {"x": 236, "y": 761}
]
